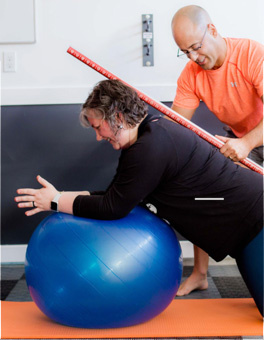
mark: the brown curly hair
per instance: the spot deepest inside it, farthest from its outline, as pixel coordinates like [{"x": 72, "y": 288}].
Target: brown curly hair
[{"x": 111, "y": 97}]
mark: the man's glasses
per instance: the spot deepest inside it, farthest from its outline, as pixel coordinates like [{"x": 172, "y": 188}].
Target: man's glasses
[{"x": 193, "y": 51}]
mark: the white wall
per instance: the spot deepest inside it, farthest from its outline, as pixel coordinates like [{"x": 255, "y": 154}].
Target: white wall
[{"x": 109, "y": 32}]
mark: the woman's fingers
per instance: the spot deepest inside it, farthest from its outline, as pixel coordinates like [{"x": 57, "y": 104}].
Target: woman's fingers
[
  {"x": 26, "y": 205},
  {"x": 36, "y": 200},
  {"x": 26, "y": 191},
  {"x": 43, "y": 182},
  {"x": 25, "y": 198},
  {"x": 32, "y": 211}
]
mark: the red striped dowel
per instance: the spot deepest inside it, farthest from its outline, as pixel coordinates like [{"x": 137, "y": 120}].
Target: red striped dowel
[{"x": 164, "y": 109}]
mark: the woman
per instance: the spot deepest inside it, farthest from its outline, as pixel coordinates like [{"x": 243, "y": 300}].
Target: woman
[{"x": 171, "y": 168}]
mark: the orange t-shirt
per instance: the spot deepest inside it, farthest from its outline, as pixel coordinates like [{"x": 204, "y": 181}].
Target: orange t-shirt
[{"x": 233, "y": 91}]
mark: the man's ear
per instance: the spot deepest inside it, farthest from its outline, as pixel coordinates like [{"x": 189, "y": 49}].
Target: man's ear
[{"x": 212, "y": 30}]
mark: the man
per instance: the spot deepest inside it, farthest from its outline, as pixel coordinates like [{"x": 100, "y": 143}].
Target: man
[{"x": 227, "y": 74}]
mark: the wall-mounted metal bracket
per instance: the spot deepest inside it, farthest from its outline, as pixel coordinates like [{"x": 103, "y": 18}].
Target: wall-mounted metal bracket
[{"x": 147, "y": 40}]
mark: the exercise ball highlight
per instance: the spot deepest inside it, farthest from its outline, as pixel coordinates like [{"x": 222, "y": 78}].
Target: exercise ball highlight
[{"x": 103, "y": 274}]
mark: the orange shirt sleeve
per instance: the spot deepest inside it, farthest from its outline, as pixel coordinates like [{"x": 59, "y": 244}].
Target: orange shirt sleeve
[
  {"x": 185, "y": 93},
  {"x": 255, "y": 65}
]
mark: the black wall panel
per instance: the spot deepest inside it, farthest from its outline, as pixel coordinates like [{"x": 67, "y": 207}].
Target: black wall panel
[{"x": 48, "y": 140}]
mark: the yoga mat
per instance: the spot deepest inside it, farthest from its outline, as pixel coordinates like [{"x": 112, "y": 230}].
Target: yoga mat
[{"x": 183, "y": 318}]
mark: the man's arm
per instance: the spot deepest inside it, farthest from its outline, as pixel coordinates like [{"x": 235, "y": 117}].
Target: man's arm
[
  {"x": 186, "y": 113},
  {"x": 239, "y": 148}
]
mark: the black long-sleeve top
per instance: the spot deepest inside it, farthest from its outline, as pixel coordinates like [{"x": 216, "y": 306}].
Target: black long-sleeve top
[{"x": 169, "y": 166}]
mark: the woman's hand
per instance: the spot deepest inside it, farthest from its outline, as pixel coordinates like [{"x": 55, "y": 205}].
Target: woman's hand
[{"x": 36, "y": 200}]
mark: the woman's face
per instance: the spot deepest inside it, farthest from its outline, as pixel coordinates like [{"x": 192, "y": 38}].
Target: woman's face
[{"x": 119, "y": 139}]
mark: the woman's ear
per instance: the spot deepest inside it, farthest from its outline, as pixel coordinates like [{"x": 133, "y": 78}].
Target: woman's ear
[{"x": 120, "y": 120}]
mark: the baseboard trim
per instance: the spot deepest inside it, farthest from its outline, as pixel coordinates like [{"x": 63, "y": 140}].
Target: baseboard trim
[
  {"x": 16, "y": 253},
  {"x": 13, "y": 253}
]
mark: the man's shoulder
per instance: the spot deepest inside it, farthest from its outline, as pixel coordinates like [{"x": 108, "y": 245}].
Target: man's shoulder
[
  {"x": 245, "y": 53},
  {"x": 243, "y": 44}
]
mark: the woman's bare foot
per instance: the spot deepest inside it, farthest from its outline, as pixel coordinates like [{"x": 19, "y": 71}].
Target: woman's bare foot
[{"x": 193, "y": 282}]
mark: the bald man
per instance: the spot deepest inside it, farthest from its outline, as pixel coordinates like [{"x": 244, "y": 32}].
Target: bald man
[{"x": 227, "y": 75}]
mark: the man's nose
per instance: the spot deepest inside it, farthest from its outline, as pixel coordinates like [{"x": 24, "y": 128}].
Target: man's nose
[{"x": 193, "y": 56}]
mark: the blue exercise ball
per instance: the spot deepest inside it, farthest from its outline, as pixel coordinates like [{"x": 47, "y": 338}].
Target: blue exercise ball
[{"x": 102, "y": 274}]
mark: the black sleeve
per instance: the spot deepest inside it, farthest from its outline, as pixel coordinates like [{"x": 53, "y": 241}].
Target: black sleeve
[
  {"x": 140, "y": 170},
  {"x": 97, "y": 192}
]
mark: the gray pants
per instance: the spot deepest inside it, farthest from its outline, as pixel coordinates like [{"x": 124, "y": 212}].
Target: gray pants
[{"x": 256, "y": 154}]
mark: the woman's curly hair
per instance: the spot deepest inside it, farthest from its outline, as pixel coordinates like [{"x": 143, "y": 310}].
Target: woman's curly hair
[{"x": 108, "y": 99}]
